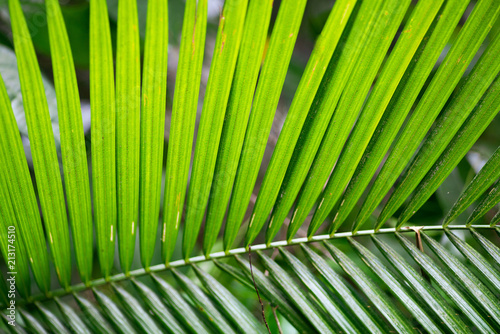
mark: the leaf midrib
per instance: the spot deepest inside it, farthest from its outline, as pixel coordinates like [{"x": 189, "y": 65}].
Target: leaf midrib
[{"x": 236, "y": 251}]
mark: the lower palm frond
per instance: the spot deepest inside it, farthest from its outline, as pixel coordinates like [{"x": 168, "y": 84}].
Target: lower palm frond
[{"x": 450, "y": 289}]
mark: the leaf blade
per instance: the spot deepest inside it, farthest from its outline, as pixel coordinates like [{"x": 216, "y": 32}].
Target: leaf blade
[
  {"x": 113, "y": 312},
  {"x": 274, "y": 295},
  {"x": 156, "y": 305},
  {"x": 487, "y": 245},
  {"x": 313, "y": 285},
  {"x": 12, "y": 247},
  {"x": 335, "y": 283},
  {"x": 476, "y": 187},
  {"x": 479, "y": 291},
  {"x": 103, "y": 133},
  {"x": 476, "y": 259},
  {"x": 326, "y": 100},
  {"x": 180, "y": 306},
  {"x": 135, "y": 309},
  {"x": 72, "y": 318},
  {"x": 470, "y": 131},
  {"x": 295, "y": 294},
  {"x": 429, "y": 294},
  {"x": 387, "y": 82},
  {"x": 52, "y": 320},
  {"x": 397, "y": 110},
  {"x": 445, "y": 283},
  {"x": 490, "y": 199},
  {"x": 128, "y": 126},
  {"x": 395, "y": 285},
  {"x": 371, "y": 291},
  {"x": 96, "y": 320},
  {"x": 233, "y": 308},
  {"x": 153, "y": 104},
  {"x": 203, "y": 303}
]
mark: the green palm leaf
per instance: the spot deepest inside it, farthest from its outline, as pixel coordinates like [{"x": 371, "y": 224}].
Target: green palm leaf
[
  {"x": 390, "y": 91},
  {"x": 103, "y": 108},
  {"x": 153, "y": 100}
]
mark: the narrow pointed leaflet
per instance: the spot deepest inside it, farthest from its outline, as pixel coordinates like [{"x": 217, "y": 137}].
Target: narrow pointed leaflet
[
  {"x": 128, "y": 122},
  {"x": 20, "y": 189},
  {"x": 103, "y": 130},
  {"x": 485, "y": 111},
  {"x": 12, "y": 248},
  {"x": 153, "y": 104},
  {"x": 490, "y": 199},
  {"x": 443, "y": 280},
  {"x": 387, "y": 82},
  {"x": 341, "y": 65},
  {"x": 482, "y": 181},
  {"x": 434, "y": 300},
  {"x": 353, "y": 97},
  {"x": 396, "y": 286}
]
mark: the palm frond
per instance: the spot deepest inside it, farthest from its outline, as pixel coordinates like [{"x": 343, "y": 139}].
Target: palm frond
[
  {"x": 128, "y": 126},
  {"x": 392, "y": 91},
  {"x": 102, "y": 92},
  {"x": 153, "y": 102}
]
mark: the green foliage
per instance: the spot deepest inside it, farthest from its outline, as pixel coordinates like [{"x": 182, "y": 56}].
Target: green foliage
[
  {"x": 392, "y": 92},
  {"x": 128, "y": 127},
  {"x": 153, "y": 101}
]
